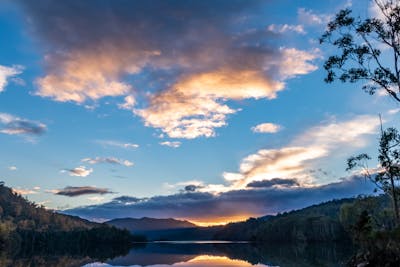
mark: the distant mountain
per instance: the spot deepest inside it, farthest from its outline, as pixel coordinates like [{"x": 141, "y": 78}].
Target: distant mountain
[{"x": 149, "y": 224}]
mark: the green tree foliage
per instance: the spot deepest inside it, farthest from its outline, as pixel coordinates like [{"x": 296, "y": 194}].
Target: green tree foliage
[{"x": 360, "y": 43}]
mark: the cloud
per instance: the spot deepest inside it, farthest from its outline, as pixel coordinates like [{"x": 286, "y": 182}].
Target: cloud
[
  {"x": 203, "y": 206},
  {"x": 129, "y": 103},
  {"x": 12, "y": 168},
  {"x": 12, "y": 125},
  {"x": 195, "y": 105},
  {"x": 26, "y": 191},
  {"x": 266, "y": 128},
  {"x": 308, "y": 17},
  {"x": 179, "y": 77},
  {"x": 174, "y": 144},
  {"x": 294, "y": 159},
  {"x": 76, "y": 191},
  {"x": 110, "y": 160},
  {"x": 96, "y": 198},
  {"x": 8, "y": 72},
  {"x": 81, "y": 171},
  {"x": 283, "y": 28},
  {"x": 113, "y": 143},
  {"x": 274, "y": 182}
]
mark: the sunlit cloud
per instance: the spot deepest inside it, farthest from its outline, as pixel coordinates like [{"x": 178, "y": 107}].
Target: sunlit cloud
[
  {"x": 13, "y": 125},
  {"x": 298, "y": 156},
  {"x": 96, "y": 198},
  {"x": 129, "y": 103},
  {"x": 110, "y": 160},
  {"x": 80, "y": 171},
  {"x": 26, "y": 191},
  {"x": 195, "y": 106},
  {"x": 266, "y": 128},
  {"x": 76, "y": 191},
  {"x": 207, "y": 67},
  {"x": 8, "y": 72}
]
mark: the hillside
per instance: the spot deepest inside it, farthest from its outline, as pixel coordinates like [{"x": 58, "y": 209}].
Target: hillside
[
  {"x": 16, "y": 212},
  {"x": 26, "y": 228},
  {"x": 149, "y": 224},
  {"x": 315, "y": 223}
]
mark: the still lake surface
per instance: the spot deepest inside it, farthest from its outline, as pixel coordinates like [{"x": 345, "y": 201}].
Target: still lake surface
[{"x": 224, "y": 254}]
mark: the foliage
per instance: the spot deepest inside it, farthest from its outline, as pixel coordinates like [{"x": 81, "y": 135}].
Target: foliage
[
  {"x": 360, "y": 43},
  {"x": 387, "y": 177},
  {"x": 27, "y": 228},
  {"x": 315, "y": 223}
]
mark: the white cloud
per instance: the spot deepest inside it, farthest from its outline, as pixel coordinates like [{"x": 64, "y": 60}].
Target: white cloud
[
  {"x": 308, "y": 17},
  {"x": 266, "y": 128},
  {"x": 113, "y": 143},
  {"x": 375, "y": 11},
  {"x": 12, "y": 168},
  {"x": 111, "y": 160},
  {"x": 393, "y": 111},
  {"x": 297, "y": 62},
  {"x": 80, "y": 171},
  {"x": 174, "y": 144},
  {"x": 6, "y": 73},
  {"x": 283, "y": 28}
]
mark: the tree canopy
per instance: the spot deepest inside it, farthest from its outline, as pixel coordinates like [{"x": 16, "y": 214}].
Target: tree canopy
[{"x": 368, "y": 49}]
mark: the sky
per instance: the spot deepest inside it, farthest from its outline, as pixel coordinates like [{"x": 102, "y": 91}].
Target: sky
[{"x": 211, "y": 111}]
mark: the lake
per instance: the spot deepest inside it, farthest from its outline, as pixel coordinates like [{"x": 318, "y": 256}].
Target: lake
[{"x": 224, "y": 254}]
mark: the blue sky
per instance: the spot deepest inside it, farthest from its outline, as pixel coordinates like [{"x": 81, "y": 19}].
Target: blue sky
[{"x": 181, "y": 99}]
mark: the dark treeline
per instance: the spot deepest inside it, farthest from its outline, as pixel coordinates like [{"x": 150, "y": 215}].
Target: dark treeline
[
  {"x": 28, "y": 229},
  {"x": 366, "y": 221},
  {"x": 317, "y": 223}
]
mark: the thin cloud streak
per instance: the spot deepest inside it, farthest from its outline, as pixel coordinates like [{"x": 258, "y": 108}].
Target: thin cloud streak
[
  {"x": 110, "y": 160},
  {"x": 119, "y": 144},
  {"x": 76, "y": 191}
]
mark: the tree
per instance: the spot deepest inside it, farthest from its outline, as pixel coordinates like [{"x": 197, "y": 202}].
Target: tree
[
  {"x": 387, "y": 176},
  {"x": 360, "y": 43}
]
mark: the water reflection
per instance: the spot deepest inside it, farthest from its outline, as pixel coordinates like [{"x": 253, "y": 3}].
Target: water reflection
[
  {"x": 186, "y": 254},
  {"x": 232, "y": 254}
]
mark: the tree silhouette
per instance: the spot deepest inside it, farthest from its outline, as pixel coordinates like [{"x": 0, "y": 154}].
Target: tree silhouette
[
  {"x": 360, "y": 43},
  {"x": 387, "y": 176}
]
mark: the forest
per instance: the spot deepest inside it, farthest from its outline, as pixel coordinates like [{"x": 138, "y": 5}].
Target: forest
[{"x": 28, "y": 229}]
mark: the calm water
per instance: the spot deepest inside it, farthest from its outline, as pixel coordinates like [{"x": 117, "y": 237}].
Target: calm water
[{"x": 196, "y": 254}]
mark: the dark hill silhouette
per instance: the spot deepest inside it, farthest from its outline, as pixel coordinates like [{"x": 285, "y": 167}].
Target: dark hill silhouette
[
  {"x": 28, "y": 229},
  {"x": 149, "y": 224}
]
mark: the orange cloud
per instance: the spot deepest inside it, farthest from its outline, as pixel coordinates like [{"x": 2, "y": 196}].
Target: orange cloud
[{"x": 194, "y": 106}]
